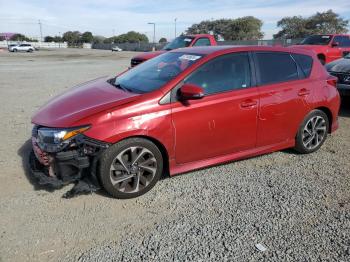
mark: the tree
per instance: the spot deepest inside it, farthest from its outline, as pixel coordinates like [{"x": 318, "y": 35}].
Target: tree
[
  {"x": 49, "y": 39},
  {"x": 57, "y": 39},
  {"x": 87, "y": 37},
  {"x": 244, "y": 28},
  {"x": 72, "y": 37},
  {"x": 98, "y": 39},
  {"x": 20, "y": 37},
  {"x": 129, "y": 37},
  {"x": 163, "y": 40},
  {"x": 320, "y": 23}
]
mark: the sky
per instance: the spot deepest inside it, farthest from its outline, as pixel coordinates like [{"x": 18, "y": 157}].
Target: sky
[{"x": 108, "y": 17}]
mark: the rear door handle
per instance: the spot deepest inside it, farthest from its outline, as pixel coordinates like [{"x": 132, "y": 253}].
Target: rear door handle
[
  {"x": 303, "y": 92},
  {"x": 249, "y": 103}
]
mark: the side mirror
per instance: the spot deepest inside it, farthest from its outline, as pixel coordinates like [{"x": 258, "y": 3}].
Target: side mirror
[
  {"x": 334, "y": 44},
  {"x": 191, "y": 92}
]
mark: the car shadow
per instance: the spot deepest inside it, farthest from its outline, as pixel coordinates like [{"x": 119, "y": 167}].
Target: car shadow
[
  {"x": 24, "y": 152},
  {"x": 345, "y": 107}
]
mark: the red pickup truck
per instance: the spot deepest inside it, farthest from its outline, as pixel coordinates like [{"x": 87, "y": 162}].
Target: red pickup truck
[
  {"x": 327, "y": 47},
  {"x": 178, "y": 42}
]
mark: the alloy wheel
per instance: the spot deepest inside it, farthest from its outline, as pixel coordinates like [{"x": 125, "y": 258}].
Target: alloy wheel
[
  {"x": 314, "y": 132},
  {"x": 133, "y": 169}
]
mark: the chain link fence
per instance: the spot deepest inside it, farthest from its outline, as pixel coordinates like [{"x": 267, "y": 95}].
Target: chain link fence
[{"x": 144, "y": 47}]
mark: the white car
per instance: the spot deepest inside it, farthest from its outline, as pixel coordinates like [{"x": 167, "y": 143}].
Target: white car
[
  {"x": 116, "y": 49},
  {"x": 21, "y": 47}
]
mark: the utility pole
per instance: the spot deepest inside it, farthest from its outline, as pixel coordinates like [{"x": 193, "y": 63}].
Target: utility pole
[
  {"x": 175, "y": 26},
  {"x": 41, "y": 31},
  {"x": 154, "y": 34}
]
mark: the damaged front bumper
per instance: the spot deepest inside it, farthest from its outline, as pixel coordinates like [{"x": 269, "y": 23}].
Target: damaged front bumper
[{"x": 76, "y": 163}]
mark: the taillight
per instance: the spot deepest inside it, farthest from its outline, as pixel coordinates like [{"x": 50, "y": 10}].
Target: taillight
[{"x": 332, "y": 80}]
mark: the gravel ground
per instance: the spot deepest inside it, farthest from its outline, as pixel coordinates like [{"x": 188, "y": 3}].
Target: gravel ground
[{"x": 297, "y": 206}]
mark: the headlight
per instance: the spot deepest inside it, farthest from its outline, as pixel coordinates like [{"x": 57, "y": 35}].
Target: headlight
[{"x": 55, "y": 139}]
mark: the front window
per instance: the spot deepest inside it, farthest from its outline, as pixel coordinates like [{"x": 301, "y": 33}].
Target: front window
[
  {"x": 179, "y": 42},
  {"x": 156, "y": 72},
  {"x": 317, "y": 40},
  {"x": 224, "y": 73}
]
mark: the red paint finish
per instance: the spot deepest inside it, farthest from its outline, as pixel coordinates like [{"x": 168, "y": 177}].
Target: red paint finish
[
  {"x": 215, "y": 125},
  {"x": 330, "y": 52},
  {"x": 196, "y": 133}
]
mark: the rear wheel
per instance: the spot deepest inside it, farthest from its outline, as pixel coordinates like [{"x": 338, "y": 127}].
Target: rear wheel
[
  {"x": 130, "y": 168},
  {"x": 15, "y": 50},
  {"x": 312, "y": 132}
]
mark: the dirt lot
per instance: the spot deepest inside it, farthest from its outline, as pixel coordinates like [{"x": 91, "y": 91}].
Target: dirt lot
[{"x": 297, "y": 206}]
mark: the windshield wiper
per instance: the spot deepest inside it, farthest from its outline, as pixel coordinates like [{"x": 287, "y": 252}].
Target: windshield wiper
[
  {"x": 123, "y": 88},
  {"x": 119, "y": 86}
]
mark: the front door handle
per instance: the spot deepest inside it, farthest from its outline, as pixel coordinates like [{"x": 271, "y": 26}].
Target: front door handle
[
  {"x": 303, "y": 92},
  {"x": 249, "y": 103}
]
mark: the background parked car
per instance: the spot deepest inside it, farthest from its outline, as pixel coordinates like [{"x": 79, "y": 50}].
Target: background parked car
[
  {"x": 341, "y": 69},
  {"x": 11, "y": 46},
  {"x": 21, "y": 48},
  {"x": 178, "y": 42},
  {"x": 327, "y": 47},
  {"x": 116, "y": 49}
]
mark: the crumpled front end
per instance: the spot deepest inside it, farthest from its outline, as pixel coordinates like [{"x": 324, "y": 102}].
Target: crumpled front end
[{"x": 72, "y": 161}]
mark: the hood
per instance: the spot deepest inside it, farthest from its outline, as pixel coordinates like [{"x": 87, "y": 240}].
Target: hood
[
  {"x": 341, "y": 65},
  {"x": 149, "y": 55},
  {"x": 80, "y": 102}
]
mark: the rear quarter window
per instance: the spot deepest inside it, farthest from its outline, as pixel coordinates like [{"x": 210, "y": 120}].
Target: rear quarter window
[
  {"x": 276, "y": 67},
  {"x": 305, "y": 63}
]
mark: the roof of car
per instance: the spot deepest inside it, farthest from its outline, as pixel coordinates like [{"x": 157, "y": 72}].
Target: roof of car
[
  {"x": 206, "y": 50},
  {"x": 198, "y": 35}
]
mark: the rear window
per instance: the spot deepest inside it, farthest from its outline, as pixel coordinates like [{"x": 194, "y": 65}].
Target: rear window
[
  {"x": 202, "y": 42},
  {"x": 305, "y": 63},
  {"x": 276, "y": 67}
]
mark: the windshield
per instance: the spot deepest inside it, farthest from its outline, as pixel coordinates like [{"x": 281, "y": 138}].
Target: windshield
[
  {"x": 179, "y": 42},
  {"x": 317, "y": 40},
  {"x": 156, "y": 72}
]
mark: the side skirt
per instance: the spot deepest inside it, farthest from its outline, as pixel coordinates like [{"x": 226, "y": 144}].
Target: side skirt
[{"x": 177, "y": 169}]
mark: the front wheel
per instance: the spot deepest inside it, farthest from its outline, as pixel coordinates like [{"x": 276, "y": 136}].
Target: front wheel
[
  {"x": 312, "y": 132},
  {"x": 130, "y": 168}
]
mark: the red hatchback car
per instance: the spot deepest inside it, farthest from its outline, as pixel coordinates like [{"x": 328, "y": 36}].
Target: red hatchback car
[{"x": 183, "y": 110}]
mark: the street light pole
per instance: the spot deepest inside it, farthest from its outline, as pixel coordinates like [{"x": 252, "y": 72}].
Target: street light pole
[
  {"x": 175, "y": 26},
  {"x": 41, "y": 31},
  {"x": 154, "y": 34}
]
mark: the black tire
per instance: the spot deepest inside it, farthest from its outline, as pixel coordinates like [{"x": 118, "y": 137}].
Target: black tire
[
  {"x": 303, "y": 135},
  {"x": 30, "y": 50},
  {"x": 14, "y": 50},
  {"x": 109, "y": 157}
]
